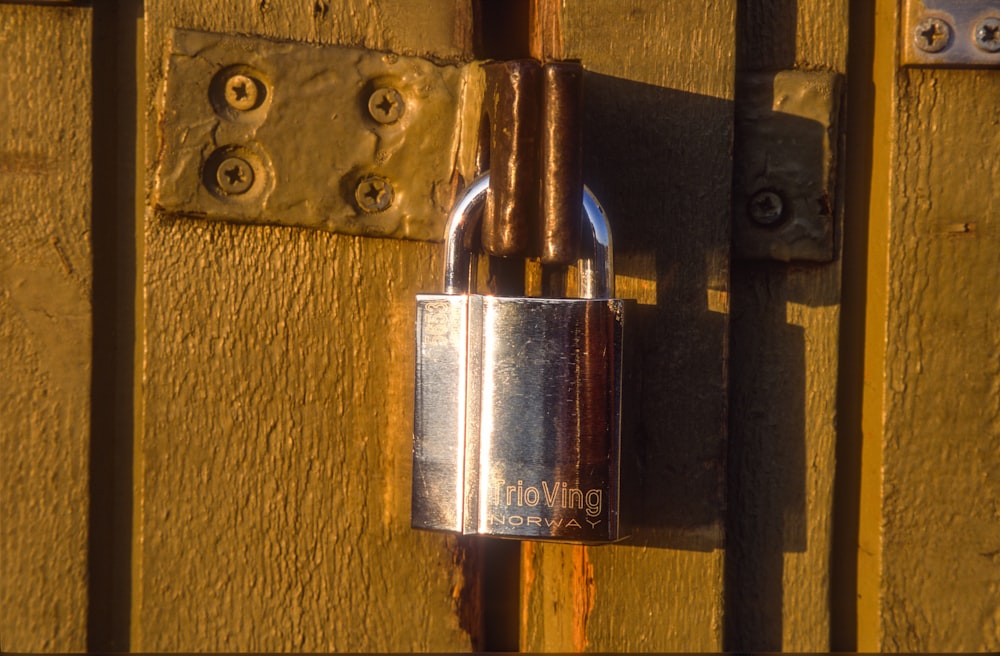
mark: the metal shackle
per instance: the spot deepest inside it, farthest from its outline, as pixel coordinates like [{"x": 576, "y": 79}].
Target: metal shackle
[{"x": 597, "y": 276}]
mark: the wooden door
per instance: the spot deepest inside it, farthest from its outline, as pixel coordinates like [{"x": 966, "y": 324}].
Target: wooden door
[{"x": 205, "y": 426}]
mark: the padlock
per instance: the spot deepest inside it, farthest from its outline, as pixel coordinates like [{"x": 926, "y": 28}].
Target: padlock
[{"x": 518, "y": 420}]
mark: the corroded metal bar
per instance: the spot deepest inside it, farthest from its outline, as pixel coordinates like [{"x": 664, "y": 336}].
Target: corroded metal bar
[
  {"x": 511, "y": 109},
  {"x": 561, "y": 156}
]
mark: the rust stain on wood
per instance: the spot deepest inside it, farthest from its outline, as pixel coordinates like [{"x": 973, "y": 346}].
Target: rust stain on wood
[
  {"x": 528, "y": 576},
  {"x": 583, "y": 596},
  {"x": 960, "y": 229},
  {"x": 546, "y": 42}
]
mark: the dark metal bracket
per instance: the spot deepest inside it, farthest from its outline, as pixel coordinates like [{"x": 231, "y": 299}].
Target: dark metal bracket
[{"x": 785, "y": 163}]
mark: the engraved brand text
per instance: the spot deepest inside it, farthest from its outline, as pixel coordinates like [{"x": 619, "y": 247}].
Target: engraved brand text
[{"x": 557, "y": 495}]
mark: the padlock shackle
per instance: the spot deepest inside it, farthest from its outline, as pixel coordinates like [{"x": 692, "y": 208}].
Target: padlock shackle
[
  {"x": 459, "y": 261},
  {"x": 597, "y": 276}
]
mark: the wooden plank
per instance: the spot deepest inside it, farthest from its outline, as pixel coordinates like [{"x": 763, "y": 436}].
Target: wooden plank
[
  {"x": 274, "y": 448},
  {"x": 658, "y": 129},
  {"x": 940, "y": 440},
  {"x": 930, "y": 459},
  {"x": 45, "y": 326},
  {"x": 784, "y": 366}
]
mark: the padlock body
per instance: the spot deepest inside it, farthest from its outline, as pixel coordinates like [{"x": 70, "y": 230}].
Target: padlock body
[
  {"x": 534, "y": 422},
  {"x": 443, "y": 458},
  {"x": 550, "y": 418}
]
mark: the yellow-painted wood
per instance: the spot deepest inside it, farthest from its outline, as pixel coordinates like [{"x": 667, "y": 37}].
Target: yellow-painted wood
[
  {"x": 45, "y": 326},
  {"x": 274, "y": 365},
  {"x": 657, "y": 140},
  {"x": 783, "y": 372},
  {"x": 940, "y": 526},
  {"x": 273, "y": 448},
  {"x": 880, "y": 207},
  {"x": 928, "y": 566}
]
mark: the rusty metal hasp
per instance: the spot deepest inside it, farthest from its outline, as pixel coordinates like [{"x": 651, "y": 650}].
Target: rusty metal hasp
[{"x": 330, "y": 137}]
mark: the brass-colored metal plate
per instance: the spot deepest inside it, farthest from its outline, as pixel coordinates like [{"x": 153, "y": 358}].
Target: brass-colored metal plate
[
  {"x": 951, "y": 33},
  {"x": 785, "y": 165},
  {"x": 330, "y": 137}
]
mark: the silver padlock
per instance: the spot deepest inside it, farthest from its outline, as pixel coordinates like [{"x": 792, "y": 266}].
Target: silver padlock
[{"x": 518, "y": 401}]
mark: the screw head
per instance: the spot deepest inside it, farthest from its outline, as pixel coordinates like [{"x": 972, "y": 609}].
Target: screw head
[
  {"x": 374, "y": 194},
  {"x": 385, "y": 105},
  {"x": 234, "y": 176},
  {"x": 987, "y": 35},
  {"x": 932, "y": 34},
  {"x": 765, "y": 208},
  {"x": 242, "y": 92}
]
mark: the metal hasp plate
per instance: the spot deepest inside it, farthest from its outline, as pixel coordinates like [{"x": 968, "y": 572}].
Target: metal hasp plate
[
  {"x": 330, "y": 137},
  {"x": 785, "y": 165},
  {"x": 952, "y": 33}
]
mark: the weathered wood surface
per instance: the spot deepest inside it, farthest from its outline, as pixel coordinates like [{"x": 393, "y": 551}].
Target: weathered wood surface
[
  {"x": 45, "y": 326},
  {"x": 928, "y": 569},
  {"x": 274, "y": 376},
  {"x": 940, "y": 462},
  {"x": 657, "y": 142},
  {"x": 273, "y": 450}
]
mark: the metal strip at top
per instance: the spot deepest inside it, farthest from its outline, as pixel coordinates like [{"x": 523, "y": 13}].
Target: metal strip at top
[
  {"x": 951, "y": 33},
  {"x": 330, "y": 137}
]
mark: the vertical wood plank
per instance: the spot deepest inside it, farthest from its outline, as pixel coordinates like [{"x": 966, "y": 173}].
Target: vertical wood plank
[
  {"x": 870, "y": 91},
  {"x": 45, "y": 326},
  {"x": 784, "y": 366},
  {"x": 658, "y": 131},
  {"x": 928, "y": 524},
  {"x": 274, "y": 453},
  {"x": 940, "y": 440}
]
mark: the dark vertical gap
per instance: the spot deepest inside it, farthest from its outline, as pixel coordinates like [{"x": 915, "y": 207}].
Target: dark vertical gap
[
  {"x": 766, "y": 432},
  {"x": 850, "y": 386},
  {"x": 501, "y": 572},
  {"x": 502, "y": 31},
  {"x": 114, "y": 124}
]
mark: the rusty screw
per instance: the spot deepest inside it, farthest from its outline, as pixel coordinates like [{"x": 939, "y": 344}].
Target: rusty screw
[
  {"x": 373, "y": 194},
  {"x": 385, "y": 105},
  {"x": 234, "y": 176},
  {"x": 765, "y": 208},
  {"x": 988, "y": 35},
  {"x": 932, "y": 34},
  {"x": 241, "y": 92}
]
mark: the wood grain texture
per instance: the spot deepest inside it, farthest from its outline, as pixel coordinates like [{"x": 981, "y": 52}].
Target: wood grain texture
[
  {"x": 45, "y": 326},
  {"x": 657, "y": 139},
  {"x": 940, "y": 524},
  {"x": 274, "y": 454},
  {"x": 784, "y": 367}
]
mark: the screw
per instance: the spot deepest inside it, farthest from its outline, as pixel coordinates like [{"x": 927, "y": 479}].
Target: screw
[
  {"x": 385, "y": 105},
  {"x": 765, "y": 208},
  {"x": 234, "y": 175},
  {"x": 241, "y": 92},
  {"x": 374, "y": 194},
  {"x": 988, "y": 35},
  {"x": 932, "y": 34}
]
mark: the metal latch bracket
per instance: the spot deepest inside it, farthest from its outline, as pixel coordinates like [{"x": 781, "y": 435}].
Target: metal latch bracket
[
  {"x": 330, "y": 137},
  {"x": 785, "y": 165}
]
